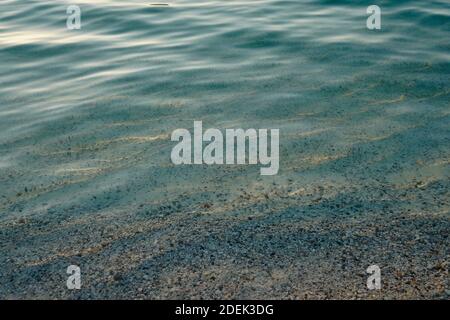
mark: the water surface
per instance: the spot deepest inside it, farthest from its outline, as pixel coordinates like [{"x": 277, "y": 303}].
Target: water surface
[{"x": 85, "y": 171}]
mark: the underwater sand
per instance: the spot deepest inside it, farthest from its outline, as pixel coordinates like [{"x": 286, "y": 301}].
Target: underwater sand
[{"x": 85, "y": 170}]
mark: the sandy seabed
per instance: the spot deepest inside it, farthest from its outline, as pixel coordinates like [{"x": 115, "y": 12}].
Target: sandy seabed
[{"x": 85, "y": 171}]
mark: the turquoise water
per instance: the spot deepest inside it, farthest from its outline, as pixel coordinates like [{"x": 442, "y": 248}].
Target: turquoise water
[{"x": 85, "y": 119}]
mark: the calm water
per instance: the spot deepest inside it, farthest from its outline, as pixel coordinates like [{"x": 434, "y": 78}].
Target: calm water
[{"x": 85, "y": 115}]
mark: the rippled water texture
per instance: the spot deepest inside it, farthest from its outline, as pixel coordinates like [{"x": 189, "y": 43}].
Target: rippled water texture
[{"x": 85, "y": 171}]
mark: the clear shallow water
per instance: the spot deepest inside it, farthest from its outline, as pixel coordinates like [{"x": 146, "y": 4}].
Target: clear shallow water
[{"x": 85, "y": 115}]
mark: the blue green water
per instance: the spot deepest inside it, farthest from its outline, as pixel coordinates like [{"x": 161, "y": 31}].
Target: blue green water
[{"x": 85, "y": 119}]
